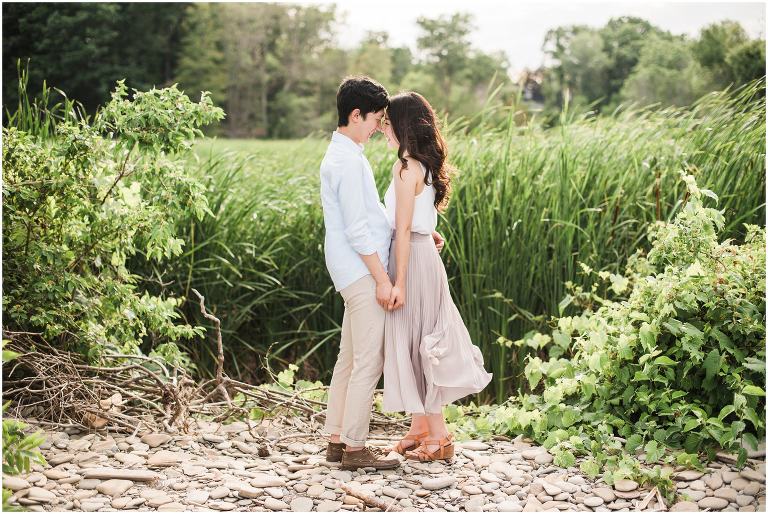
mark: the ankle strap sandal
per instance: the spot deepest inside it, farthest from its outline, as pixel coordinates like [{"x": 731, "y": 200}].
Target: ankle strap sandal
[
  {"x": 444, "y": 451},
  {"x": 416, "y": 438}
]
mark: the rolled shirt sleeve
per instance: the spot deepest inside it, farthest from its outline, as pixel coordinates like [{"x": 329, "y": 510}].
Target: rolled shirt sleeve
[{"x": 352, "y": 202}]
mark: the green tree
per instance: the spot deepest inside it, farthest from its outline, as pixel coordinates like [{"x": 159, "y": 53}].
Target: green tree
[
  {"x": 667, "y": 72},
  {"x": 746, "y": 61},
  {"x": 444, "y": 43},
  {"x": 83, "y": 48},
  {"x": 201, "y": 58},
  {"x": 711, "y": 49},
  {"x": 373, "y": 58}
]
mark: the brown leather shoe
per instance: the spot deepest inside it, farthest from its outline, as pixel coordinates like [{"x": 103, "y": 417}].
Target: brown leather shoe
[
  {"x": 367, "y": 458},
  {"x": 334, "y": 451}
]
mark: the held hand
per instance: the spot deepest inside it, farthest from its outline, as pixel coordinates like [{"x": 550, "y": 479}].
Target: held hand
[
  {"x": 439, "y": 241},
  {"x": 396, "y": 297},
  {"x": 383, "y": 292}
]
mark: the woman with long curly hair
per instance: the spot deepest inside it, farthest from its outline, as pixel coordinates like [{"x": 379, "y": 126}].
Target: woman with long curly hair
[{"x": 429, "y": 358}]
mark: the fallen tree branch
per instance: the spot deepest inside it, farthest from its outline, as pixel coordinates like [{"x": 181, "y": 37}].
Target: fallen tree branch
[{"x": 369, "y": 499}]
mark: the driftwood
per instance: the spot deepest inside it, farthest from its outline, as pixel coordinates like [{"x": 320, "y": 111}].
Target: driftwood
[
  {"x": 369, "y": 499},
  {"x": 128, "y": 393}
]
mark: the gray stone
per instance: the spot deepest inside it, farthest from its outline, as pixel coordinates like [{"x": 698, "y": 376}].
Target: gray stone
[
  {"x": 136, "y": 475},
  {"x": 751, "y": 489},
  {"x": 684, "y": 506},
  {"x": 688, "y": 475},
  {"x": 487, "y": 476},
  {"x": 264, "y": 480},
  {"x": 714, "y": 481},
  {"x": 712, "y": 502},
  {"x": 550, "y": 488},
  {"x": 695, "y": 495},
  {"x": 509, "y": 506},
  {"x": 158, "y": 500},
  {"x": 328, "y": 506},
  {"x": 114, "y": 487},
  {"x": 474, "y": 445},
  {"x": 743, "y": 500},
  {"x": 394, "y": 493},
  {"x": 625, "y": 485},
  {"x": 751, "y": 474},
  {"x": 219, "y": 492},
  {"x": 172, "y": 507},
  {"x": 275, "y": 504},
  {"x": 316, "y": 490},
  {"x": 697, "y": 485},
  {"x": 60, "y": 459},
  {"x": 40, "y": 495},
  {"x": 593, "y": 501},
  {"x": 14, "y": 483},
  {"x": 727, "y": 493},
  {"x": 301, "y": 504},
  {"x": 55, "y": 474},
  {"x": 129, "y": 459},
  {"x": 471, "y": 489},
  {"x": 739, "y": 483},
  {"x": 249, "y": 492},
  {"x": 197, "y": 496},
  {"x": 155, "y": 439},
  {"x": 88, "y": 483},
  {"x": 221, "y": 505},
  {"x": 605, "y": 493}
]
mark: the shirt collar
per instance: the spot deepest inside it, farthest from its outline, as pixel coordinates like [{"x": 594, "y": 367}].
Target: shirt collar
[{"x": 345, "y": 141}]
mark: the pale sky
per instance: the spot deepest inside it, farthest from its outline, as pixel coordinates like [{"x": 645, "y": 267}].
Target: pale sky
[{"x": 518, "y": 28}]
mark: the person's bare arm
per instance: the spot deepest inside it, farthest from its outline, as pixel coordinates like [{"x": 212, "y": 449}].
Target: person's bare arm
[{"x": 406, "y": 181}]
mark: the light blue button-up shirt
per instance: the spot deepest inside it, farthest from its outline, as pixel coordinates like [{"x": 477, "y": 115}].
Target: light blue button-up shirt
[{"x": 355, "y": 220}]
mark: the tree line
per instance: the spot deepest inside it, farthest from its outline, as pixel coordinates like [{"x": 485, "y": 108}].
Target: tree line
[{"x": 274, "y": 68}]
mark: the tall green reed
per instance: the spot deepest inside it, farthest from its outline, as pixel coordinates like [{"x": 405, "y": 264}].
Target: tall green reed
[
  {"x": 36, "y": 116},
  {"x": 528, "y": 205}
]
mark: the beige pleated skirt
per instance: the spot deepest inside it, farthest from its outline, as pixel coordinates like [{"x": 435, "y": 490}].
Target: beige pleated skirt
[{"x": 429, "y": 358}]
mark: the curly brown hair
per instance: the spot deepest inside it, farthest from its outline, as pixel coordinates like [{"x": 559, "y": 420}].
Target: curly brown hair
[{"x": 416, "y": 128}]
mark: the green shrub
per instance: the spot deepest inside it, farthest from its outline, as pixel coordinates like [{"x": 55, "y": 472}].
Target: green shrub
[
  {"x": 19, "y": 448},
  {"x": 78, "y": 204},
  {"x": 673, "y": 364}
]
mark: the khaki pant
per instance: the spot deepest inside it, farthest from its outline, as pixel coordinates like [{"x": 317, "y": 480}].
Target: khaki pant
[{"x": 359, "y": 364}]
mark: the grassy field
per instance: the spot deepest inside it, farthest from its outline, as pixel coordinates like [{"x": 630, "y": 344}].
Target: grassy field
[{"x": 528, "y": 205}]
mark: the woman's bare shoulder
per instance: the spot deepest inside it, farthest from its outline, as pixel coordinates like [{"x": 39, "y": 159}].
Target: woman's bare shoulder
[{"x": 412, "y": 171}]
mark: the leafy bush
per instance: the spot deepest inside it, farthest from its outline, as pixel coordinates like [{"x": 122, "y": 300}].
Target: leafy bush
[
  {"x": 19, "y": 448},
  {"x": 673, "y": 365},
  {"x": 77, "y": 205}
]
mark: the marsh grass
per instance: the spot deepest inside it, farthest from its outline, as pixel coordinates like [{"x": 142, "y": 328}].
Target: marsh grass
[{"x": 528, "y": 204}]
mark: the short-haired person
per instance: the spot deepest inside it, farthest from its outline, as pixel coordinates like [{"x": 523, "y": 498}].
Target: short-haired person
[{"x": 357, "y": 238}]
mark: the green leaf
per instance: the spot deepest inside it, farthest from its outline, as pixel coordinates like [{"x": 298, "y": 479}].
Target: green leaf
[
  {"x": 750, "y": 439},
  {"x": 753, "y": 390},
  {"x": 712, "y": 364},
  {"x": 9, "y": 355},
  {"x": 691, "y": 424},
  {"x": 565, "y": 459},
  {"x": 725, "y": 411},
  {"x": 653, "y": 452},
  {"x": 633, "y": 443},
  {"x": 663, "y": 360}
]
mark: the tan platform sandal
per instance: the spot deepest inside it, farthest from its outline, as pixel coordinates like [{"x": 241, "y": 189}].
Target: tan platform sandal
[
  {"x": 416, "y": 438},
  {"x": 444, "y": 451}
]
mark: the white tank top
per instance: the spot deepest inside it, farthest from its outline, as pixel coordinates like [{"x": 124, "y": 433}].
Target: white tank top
[{"x": 424, "y": 211}]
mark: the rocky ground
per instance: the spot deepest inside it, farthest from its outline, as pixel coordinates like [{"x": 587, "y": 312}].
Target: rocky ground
[{"x": 216, "y": 467}]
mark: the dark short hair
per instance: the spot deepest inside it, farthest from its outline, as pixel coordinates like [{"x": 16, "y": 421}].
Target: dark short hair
[{"x": 362, "y": 93}]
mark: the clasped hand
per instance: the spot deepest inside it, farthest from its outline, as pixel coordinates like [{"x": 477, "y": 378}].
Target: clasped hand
[{"x": 392, "y": 297}]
